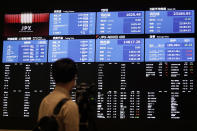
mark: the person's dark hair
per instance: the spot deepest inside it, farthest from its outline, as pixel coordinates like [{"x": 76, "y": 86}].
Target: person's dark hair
[{"x": 64, "y": 70}]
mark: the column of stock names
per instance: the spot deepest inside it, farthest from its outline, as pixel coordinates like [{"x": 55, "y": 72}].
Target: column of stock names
[
  {"x": 27, "y": 83},
  {"x": 151, "y": 90}
]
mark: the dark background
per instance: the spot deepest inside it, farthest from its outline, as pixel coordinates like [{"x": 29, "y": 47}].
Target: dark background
[{"x": 41, "y": 5}]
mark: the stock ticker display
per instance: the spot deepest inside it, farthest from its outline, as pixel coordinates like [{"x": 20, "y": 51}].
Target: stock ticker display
[
  {"x": 116, "y": 50},
  {"x": 180, "y": 21},
  {"x": 142, "y": 62},
  {"x": 170, "y": 49},
  {"x": 80, "y": 50},
  {"x": 72, "y": 23},
  {"x": 125, "y": 22},
  {"x": 25, "y": 51}
]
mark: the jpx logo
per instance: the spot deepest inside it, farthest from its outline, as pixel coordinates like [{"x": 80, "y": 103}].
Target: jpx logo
[{"x": 26, "y": 28}]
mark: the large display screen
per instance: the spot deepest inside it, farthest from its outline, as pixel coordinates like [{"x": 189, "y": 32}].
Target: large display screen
[
  {"x": 142, "y": 62},
  {"x": 25, "y": 51},
  {"x": 170, "y": 49},
  {"x": 72, "y": 23},
  {"x": 128, "y": 22},
  {"x": 176, "y": 21},
  {"x": 81, "y": 50},
  {"x": 116, "y": 50}
]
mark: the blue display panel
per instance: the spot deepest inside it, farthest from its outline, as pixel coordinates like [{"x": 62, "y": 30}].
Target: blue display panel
[
  {"x": 120, "y": 50},
  {"x": 80, "y": 50},
  {"x": 177, "y": 21},
  {"x": 124, "y": 22},
  {"x": 72, "y": 23},
  {"x": 170, "y": 49},
  {"x": 27, "y": 51}
]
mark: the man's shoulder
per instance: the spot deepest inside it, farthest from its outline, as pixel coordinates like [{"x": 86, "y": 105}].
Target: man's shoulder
[
  {"x": 71, "y": 103},
  {"x": 53, "y": 97},
  {"x": 70, "y": 106}
]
